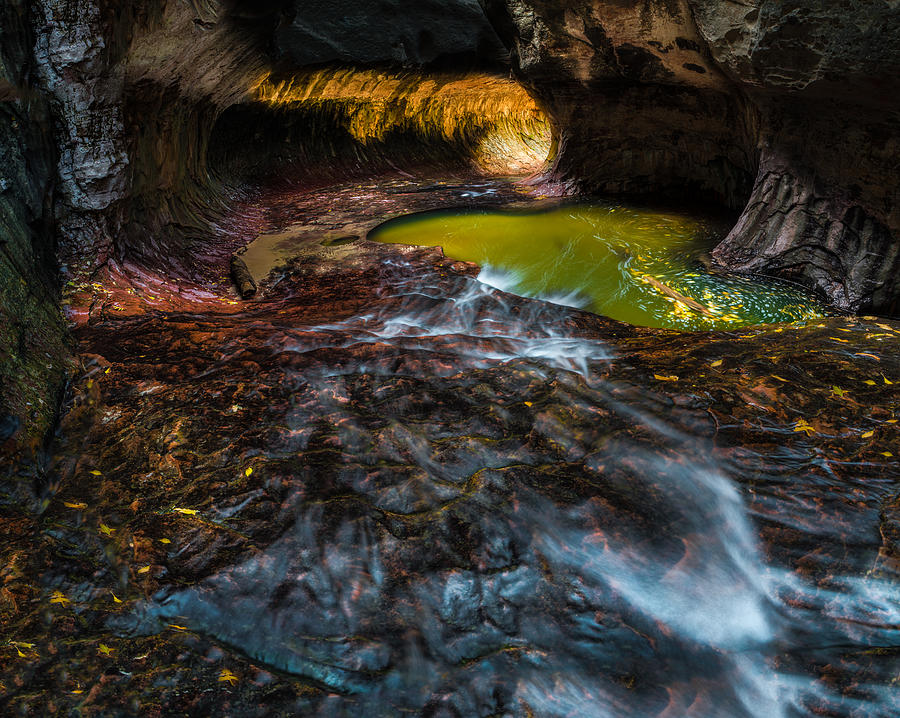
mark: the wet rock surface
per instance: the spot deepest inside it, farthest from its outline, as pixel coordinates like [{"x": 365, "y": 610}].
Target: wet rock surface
[{"x": 382, "y": 487}]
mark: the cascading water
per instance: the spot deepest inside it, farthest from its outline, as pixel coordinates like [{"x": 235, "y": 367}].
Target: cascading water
[{"x": 384, "y": 487}]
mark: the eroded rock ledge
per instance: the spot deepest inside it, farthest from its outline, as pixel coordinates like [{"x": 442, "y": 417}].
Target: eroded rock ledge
[{"x": 787, "y": 111}]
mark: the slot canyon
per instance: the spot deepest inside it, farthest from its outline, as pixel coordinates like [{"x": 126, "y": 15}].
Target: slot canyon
[{"x": 444, "y": 358}]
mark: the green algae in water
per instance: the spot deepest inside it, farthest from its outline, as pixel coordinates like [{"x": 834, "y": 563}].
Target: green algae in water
[{"x": 611, "y": 260}]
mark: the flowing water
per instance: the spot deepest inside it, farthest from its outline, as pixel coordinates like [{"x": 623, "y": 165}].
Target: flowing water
[
  {"x": 614, "y": 260},
  {"x": 387, "y": 488}
]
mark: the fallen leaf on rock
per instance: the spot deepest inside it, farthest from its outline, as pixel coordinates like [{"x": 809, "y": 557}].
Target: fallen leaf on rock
[
  {"x": 165, "y": 540},
  {"x": 803, "y": 425},
  {"x": 659, "y": 377},
  {"x": 716, "y": 363},
  {"x": 79, "y": 505},
  {"x": 838, "y": 392},
  {"x": 104, "y": 529},
  {"x": 96, "y": 473},
  {"x": 144, "y": 569},
  {"x": 105, "y": 650},
  {"x": 869, "y": 382},
  {"x": 116, "y": 599},
  {"x": 186, "y": 512},
  {"x": 227, "y": 676},
  {"x": 59, "y": 597},
  {"x": 248, "y": 471},
  {"x": 868, "y": 435},
  {"x": 887, "y": 453}
]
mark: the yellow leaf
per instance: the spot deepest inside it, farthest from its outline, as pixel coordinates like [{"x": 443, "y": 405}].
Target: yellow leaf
[
  {"x": 105, "y": 650},
  {"x": 802, "y": 425},
  {"x": 869, "y": 382},
  {"x": 866, "y": 354},
  {"x": 59, "y": 597},
  {"x": 775, "y": 376},
  {"x": 165, "y": 541},
  {"x": 96, "y": 473},
  {"x": 116, "y": 599},
  {"x": 837, "y": 339},
  {"x": 227, "y": 676},
  {"x": 886, "y": 380},
  {"x": 838, "y": 392},
  {"x": 104, "y": 529},
  {"x": 248, "y": 471},
  {"x": 145, "y": 569},
  {"x": 868, "y": 435},
  {"x": 107, "y": 370},
  {"x": 891, "y": 421},
  {"x": 529, "y": 403},
  {"x": 665, "y": 378},
  {"x": 77, "y": 691},
  {"x": 716, "y": 363},
  {"x": 79, "y": 505},
  {"x": 887, "y": 454},
  {"x": 186, "y": 512},
  {"x": 178, "y": 628}
]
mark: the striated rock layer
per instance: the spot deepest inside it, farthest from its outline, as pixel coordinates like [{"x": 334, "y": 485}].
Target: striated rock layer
[{"x": 786, "y": 110}]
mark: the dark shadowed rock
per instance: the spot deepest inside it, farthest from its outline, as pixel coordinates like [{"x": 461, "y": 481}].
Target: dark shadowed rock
[{"x": 390, "y": 31}]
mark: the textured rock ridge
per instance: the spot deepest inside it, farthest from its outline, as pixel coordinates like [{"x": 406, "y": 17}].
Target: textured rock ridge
[
  {"x": 786, "y": 110},
  {"x": 33, "y": 344}
]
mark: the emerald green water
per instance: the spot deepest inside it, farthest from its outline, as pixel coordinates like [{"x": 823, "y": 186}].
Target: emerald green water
[{"x": 609, "y": 260}]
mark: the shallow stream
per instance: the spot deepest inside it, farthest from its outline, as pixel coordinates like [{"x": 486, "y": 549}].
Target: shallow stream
[{"x": 387, "y": 488}]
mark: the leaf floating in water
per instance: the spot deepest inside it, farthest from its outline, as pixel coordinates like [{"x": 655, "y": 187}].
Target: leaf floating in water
[
  {"x": 803, "y": 425},
  {"x": 659, "y": 377},
  {"x": 79, "y": 505},
  {"x": 105, "y": 650},
  {"x": 59, "y": 597},
  {"x": 716, "y": 363},
  {"x": 186, "y": 512},
  {"x": 868, "y": 435},
  {"x": 227, "y": 676},
  {"x": 104, "y": 529}
]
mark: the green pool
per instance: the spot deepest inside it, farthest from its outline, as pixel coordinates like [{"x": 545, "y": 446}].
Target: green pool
[{"x": 636, "y": 266}]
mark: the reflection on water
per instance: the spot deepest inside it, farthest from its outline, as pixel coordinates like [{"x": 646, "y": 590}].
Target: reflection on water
[{"x": 639, "y": 267}]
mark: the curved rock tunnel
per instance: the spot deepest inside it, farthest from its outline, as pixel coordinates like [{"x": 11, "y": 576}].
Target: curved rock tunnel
[{"x": 144, "y": 145}]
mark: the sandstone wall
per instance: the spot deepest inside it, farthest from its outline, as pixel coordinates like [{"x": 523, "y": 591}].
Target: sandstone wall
[{"x": 785, "y": 110}]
